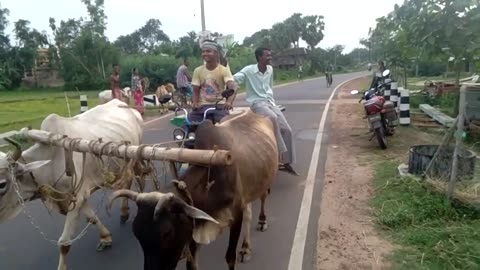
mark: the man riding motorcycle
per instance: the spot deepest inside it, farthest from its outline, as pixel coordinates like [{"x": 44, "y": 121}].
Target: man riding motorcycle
[{"x": 208, "y": 83}]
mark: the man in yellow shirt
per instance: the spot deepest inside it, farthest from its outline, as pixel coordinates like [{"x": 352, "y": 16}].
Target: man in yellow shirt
[{"x": 208, "y": 83}]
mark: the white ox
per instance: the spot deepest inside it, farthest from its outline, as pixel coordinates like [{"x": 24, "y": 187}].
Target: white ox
[
  {"x": 43, "y": 164},
  {"x": 106, "y": 95}
]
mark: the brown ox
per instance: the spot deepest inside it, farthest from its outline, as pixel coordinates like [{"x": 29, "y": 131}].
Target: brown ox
[{"x": 207, "y": 200}]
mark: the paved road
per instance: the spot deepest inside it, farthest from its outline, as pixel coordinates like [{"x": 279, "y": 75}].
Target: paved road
[{"x": 23, "y": 248}]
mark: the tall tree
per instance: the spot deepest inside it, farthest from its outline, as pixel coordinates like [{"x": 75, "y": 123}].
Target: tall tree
[
  {"x": 312, "y": 34},
  {"x": 97, "y": 22},
  {"x": 152, "y": 35},
  {"x": 4, "y": 40},
  {"x": 143, "y": 40},
  {"x": 295, "y": 25},
  {"x": 187, "y": 46},
  {"x": 280, "y": 40},
  {"x": 261, "y": 38},
  {"x": 130, "y": 44},
  {"x": 10, "y": 68}
]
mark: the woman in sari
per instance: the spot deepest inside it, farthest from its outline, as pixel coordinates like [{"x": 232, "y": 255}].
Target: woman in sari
[{"x": 137, "y": 92}]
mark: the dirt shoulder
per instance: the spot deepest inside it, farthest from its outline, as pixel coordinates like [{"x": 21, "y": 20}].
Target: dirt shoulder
[{"x": 347, "y": 239}]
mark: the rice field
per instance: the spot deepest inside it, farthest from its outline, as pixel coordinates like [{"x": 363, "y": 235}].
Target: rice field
[{"x": 21, "y": 109}]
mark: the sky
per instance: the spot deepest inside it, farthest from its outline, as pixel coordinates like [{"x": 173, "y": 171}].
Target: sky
[{"x": 346, "y": 21}]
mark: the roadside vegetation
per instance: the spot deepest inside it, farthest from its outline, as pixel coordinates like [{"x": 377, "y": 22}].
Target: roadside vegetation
[
  {"x": 425, "y": 41},
  {"x": 430, "y": 233}
]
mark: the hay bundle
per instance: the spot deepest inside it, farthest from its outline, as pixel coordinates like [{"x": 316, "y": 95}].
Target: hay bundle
[{"x": 467, "y": 192}]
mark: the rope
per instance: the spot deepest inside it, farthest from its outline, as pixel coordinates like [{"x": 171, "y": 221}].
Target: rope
[{"x": 32, "y": 220}]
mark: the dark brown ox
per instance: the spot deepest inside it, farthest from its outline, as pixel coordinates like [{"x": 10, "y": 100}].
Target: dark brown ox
[{"x": 208, "y": 200}]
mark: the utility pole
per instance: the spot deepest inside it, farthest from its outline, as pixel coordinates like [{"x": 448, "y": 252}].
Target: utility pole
[{"x": 203, "y": 15}]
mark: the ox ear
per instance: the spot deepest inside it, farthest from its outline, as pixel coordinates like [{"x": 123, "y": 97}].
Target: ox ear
[
  {"x": 196, "y": 213},
  {"x": 29, "y": 167}
]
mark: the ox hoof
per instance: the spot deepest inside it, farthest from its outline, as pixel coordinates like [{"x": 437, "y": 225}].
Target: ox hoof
[
  {"x": 262, "y": 226},
  {"x": 123, "y": 219},
  {"x": 245, "y": 255},
  {"x": 103, "y": 246}
]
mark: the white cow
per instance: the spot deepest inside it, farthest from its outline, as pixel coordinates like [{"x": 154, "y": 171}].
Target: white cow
[
  {"x": 106, "y": 95},
  {"x": 43, "y": 164}
]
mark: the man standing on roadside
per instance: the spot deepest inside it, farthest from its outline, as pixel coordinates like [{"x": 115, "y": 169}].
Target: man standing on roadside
[
  {"x": 115, "y": 83},
  {"x": 183, "y": 79},
  {"x": 259, "y": 90},
  {"x": 208, "y": 82},
  {"x": 378, "y": 75}
]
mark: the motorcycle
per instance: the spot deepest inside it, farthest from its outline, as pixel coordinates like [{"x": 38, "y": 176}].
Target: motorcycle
[
  {"x": 185, "y": 138},
  {"x": 381, "y": 115}
]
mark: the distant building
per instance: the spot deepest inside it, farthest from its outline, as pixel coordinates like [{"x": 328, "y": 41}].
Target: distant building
[
  {"x": 42, "y": 74},
  {"x": 290, "y": 58}
]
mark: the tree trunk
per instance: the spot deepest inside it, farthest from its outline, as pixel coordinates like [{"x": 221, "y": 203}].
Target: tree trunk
[
  {"x": 458, "y": 70},
  {"x": 34, "y": 71},
  {"x": 405, "y": 78},
  {"x": 471, "y": 67},
  {"x": 103, "y": 67}
]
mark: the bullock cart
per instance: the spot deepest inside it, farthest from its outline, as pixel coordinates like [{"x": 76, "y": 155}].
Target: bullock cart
[{"x": 63, "y": 171}]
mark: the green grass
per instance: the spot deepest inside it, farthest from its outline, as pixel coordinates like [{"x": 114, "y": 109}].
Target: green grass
[
  {"x": 16, "y": 112},
  {"x": 23, "y": 108},
  {"x": 430, "y": 235},
  {"x": 445, "y": 103}
]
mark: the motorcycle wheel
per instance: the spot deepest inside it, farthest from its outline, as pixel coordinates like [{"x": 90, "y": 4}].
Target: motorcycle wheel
[
  {"x": 388, "y": 130},
  {"x": 382, "y": 140}
]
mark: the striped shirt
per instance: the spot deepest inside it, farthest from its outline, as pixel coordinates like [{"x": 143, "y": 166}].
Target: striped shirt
[{"x": 182, "y": 76}]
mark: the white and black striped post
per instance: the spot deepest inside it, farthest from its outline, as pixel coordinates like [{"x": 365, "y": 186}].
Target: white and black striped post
[
  {"x": 387, "y": 92},
  {"x": 150, "y": 100},
  {"x": 404, "y": 107},
  {"x": 400, "y": 89},
  {"x": 83, "y": 103},
  {"x": 394, "y": 94}
]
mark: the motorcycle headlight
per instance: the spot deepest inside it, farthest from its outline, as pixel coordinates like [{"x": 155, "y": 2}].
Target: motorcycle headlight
[
  {"x": 191, "y": 136},
  {"x": 178, "y": 134}
]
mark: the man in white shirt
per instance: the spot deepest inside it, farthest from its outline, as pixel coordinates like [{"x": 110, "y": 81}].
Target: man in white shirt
[{"x": 258, "y": 80}]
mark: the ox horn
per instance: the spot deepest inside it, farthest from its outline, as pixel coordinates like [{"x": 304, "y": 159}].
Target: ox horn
[
  {"x": 18, "y": 149},
  {"x": 191, "y": 211},
  {"x": 161, "y": 199},
  {"x": 132, "y": 195}
]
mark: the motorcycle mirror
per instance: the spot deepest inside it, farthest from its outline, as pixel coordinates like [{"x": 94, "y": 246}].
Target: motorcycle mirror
[
  {"x": 386, "y": 72},
  {"x": 353, "y": 92}
]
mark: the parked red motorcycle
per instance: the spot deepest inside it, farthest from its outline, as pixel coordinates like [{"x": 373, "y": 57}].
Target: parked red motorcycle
[{"x": 381, "y": 114}]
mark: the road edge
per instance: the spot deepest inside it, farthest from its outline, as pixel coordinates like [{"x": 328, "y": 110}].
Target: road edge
[{"x": 297, "y": 253}]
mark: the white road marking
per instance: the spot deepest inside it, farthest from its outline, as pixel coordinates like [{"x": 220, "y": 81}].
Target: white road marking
[
  {"x": 299, "y": 241},
  {"x": 241, "y": 94},
  {"x": 158, "y": 118}
]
